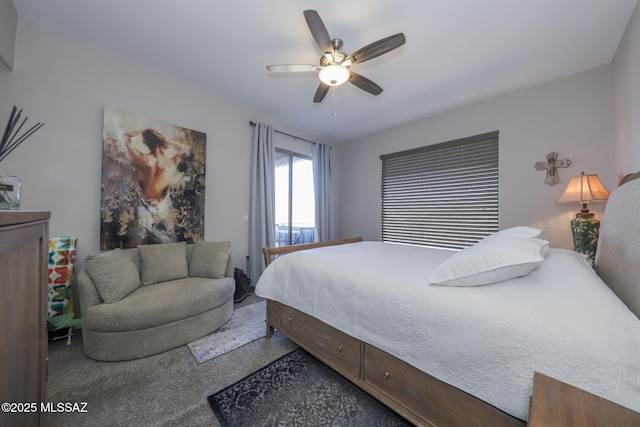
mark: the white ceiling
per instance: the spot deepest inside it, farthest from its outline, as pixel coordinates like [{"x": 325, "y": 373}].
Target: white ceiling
[{"x": 457, "y": 51}]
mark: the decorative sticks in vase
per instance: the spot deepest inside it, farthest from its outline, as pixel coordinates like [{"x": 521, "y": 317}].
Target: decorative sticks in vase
[{"x": 10, "y": 139}]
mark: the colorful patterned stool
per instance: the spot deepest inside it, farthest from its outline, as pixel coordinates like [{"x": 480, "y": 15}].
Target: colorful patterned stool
[{"x": 62, "y": 255}]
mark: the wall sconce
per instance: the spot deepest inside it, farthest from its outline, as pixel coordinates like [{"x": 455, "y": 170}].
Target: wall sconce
[{"x": 585, "y": 227}]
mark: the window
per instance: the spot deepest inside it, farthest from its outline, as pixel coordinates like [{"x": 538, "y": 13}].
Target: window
[
  {"x": 443, "y": 195},
  {"x": 295, "y": 205}
]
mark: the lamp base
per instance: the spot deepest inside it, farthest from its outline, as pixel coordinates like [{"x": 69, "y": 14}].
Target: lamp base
[{"x": 585, "y": 228}]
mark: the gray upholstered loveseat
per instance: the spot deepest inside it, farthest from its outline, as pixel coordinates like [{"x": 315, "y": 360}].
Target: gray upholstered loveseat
[{"x": 146, "y": 300}]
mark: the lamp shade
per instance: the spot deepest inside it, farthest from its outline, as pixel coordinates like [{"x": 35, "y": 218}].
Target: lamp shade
[
  {"x": 334, "y": 75},
  {"x": 584, "y": 189}
]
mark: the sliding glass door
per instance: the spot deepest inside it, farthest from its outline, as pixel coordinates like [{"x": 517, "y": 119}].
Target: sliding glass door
[{"x": 295, "y": 206}]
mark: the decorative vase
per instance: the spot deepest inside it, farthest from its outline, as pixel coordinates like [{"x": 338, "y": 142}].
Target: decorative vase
[
  {"x": 585, "y": 228},
  {"x": 10, "y": 192}
]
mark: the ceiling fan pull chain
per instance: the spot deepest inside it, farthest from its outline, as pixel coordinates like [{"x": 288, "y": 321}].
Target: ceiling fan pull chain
[{"x": 334, "y": 90}]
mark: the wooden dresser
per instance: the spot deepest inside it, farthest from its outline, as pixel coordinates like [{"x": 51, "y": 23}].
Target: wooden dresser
[{"x": 24, "y": 237}]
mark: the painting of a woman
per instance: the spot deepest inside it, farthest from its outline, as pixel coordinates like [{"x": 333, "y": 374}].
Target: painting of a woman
[{"x": 152, "y": 182}]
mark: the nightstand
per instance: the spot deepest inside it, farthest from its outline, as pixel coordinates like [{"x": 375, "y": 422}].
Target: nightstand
[{"x": 557, "y": 404}]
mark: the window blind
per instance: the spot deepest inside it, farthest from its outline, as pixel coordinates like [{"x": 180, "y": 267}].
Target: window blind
[{"x": 443, "y": 195}]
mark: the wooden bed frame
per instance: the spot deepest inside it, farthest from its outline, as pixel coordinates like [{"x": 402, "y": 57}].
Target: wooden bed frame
[{"x": 420, "y": 398}]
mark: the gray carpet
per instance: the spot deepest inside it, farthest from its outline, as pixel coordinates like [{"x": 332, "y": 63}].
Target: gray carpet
[
  {"x": 299, "y": 390},
  {"x": 168, "y": 389}
]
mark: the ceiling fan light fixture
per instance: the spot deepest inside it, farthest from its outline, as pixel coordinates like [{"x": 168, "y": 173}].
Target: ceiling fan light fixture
[
  {"x": 334, "y": 75},
  {"x": 334, "y": 63}
]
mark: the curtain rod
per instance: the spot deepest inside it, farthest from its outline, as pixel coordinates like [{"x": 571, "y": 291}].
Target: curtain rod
[{"x": 253, "y": 124}]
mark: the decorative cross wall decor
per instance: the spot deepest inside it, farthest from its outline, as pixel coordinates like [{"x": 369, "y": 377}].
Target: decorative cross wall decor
[{"x": 551, "y": 165}]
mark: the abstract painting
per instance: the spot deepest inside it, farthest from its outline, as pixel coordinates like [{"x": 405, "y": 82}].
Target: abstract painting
[{"x": 153, "y": 182}]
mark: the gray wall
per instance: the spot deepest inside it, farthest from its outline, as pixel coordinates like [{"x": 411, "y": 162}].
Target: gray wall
[
  {"x": 626, "y": 100},
  {"x": 8, "y": 25},
  {"x": 66, "y": 85},
  {"x": 571, "y": 116}
]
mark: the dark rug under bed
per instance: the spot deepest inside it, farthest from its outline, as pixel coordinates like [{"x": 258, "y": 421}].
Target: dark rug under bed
[{"x": 299, "y": 390}]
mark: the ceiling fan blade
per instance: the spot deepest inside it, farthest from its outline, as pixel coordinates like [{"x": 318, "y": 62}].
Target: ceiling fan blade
[
  {"x": 292, "y": 68},
  {"x": 321, "y": 92},
  {"x": 375, "y": 49},
  {"x": 365, "y": 84},
  {"x": 318, "y": 30}
]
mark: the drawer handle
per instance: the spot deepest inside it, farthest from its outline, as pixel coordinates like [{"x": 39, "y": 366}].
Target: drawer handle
[
  {"x": 290, "y": 319},
  {"x": 386, "y": 375},
  {"x": 340, "y": 348}
]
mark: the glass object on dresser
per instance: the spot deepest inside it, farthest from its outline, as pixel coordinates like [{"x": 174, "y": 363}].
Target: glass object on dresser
[{"x": 10, "y": 192}]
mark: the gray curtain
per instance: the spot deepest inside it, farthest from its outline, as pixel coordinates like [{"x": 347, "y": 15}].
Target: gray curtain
[
  {"x": 323, "y": 188},
  {"x": 261, "y": 209}
]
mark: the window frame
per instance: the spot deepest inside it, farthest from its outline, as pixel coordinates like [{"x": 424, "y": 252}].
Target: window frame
[{"x": 439, "y": 202}]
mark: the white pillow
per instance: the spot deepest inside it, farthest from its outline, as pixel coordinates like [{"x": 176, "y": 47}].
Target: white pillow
[
  {"x": 491, "y": 261},
  {"x": 519, "y": 231}
]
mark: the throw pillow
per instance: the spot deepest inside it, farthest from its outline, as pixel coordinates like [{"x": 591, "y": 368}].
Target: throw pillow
[
  {"x": 491, "y": 261},
  {"x": 113, "y": 273},
  {"x": 209, "y": 259},
  {"x": 163, "y": 262}
]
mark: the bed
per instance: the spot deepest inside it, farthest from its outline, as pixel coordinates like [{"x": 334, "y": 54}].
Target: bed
[{"x": 465, "y": 355}]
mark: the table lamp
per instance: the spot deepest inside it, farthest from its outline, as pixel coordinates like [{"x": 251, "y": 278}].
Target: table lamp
[{"x": 585, "y": 227}]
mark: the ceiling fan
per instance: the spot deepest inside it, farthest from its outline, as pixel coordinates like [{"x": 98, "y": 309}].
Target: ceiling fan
[{"x": 333, "y": 69}]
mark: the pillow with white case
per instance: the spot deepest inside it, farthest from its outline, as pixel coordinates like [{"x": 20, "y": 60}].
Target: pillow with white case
[
  {"x": 519, "y": 231},
  {"x": 491, "y": 261}
]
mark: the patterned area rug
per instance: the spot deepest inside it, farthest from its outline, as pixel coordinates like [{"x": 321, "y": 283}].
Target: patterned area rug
[
  {"x": 299, "y": 390},
  {"x": 246, "y": 325}
]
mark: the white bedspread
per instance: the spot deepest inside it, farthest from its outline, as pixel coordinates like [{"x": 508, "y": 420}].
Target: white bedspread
[{"x": 561, "y": 319}]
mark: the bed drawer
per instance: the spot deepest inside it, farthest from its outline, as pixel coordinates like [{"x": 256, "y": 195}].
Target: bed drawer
[
  {"x": 426, "y": 396},
  {"x": 335, "y": 348}
]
